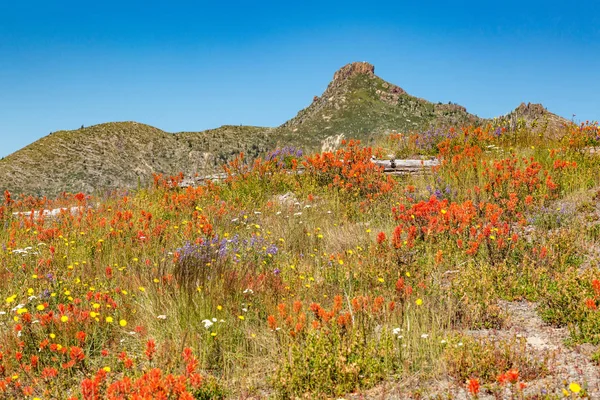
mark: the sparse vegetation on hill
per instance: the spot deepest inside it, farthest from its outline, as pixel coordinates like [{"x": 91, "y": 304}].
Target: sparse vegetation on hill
[
  {"x": 123, "y": 155},
  {"x": 536, "y": 119},
  {"x": 360, "y": 105}
]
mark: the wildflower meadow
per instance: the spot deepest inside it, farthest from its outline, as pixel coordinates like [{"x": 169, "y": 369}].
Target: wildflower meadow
[{"x": 318, "y": 275}]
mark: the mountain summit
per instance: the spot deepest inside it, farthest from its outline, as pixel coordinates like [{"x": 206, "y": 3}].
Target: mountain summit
[
  {"x": 351, "y": 69},
  {"x": 356, "y": 104},
  {"x": 359, "y": 104}
]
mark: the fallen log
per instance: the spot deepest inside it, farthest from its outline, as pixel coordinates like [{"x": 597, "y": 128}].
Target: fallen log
[
  {"x": 392, "y": 167},
  {"x": 403, "y": 167}
]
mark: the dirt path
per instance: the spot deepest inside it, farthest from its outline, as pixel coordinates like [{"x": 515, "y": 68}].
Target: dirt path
[{"x": 566, "y": 364}]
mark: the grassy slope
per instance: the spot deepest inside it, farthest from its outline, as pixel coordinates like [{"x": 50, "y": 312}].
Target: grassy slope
[
  {"x": 364, "y": 107},
  {"x": 120, "y": 155}
]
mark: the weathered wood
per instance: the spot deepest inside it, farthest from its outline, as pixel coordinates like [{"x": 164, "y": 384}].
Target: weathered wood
[
  {"x": 406, "y": 164},
  {"x": 200, "y": 179},
  {"x": 392, "y": 167},
  {"x": 402, "y": 167},
  {"x": 52, "y": 213}
]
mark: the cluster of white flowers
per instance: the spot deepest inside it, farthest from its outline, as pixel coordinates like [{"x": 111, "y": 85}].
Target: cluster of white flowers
[
  {"x": 208, "y": 323},
  {"x": 25, "y": 251},
  {"x": 398, "y": 333}
]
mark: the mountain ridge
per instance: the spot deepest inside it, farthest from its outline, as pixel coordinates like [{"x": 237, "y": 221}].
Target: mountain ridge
[{"x": 356, "y": 104}]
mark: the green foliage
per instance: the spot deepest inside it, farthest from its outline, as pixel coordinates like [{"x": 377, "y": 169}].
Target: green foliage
[
  {"x": 572, "y": 300},
  {"x": 211, "y": 389},
  {"x": 331, "y": 364},
  {"x": 486, "y": 358}
]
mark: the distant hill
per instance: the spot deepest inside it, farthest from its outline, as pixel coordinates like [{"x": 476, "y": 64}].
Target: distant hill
[
  {"x": 536, "y": 118},
  {"x": 121, "y": 154},
  {"x": 356, "y": 104}
]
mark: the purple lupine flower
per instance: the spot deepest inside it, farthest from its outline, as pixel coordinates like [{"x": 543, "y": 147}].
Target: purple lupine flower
[
  {"x": 283, "y": 156},
  {"x": 272, "y": 250}
]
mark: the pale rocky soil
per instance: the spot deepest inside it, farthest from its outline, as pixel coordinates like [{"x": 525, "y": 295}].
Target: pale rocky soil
[{"x": 566, "y": 364}]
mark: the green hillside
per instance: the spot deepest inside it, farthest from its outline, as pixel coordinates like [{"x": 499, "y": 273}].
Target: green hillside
[{"x": 121, "y": 155}]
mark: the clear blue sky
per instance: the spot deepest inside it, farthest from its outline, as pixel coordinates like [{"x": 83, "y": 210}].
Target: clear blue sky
[{"x": 197, "y": 65}]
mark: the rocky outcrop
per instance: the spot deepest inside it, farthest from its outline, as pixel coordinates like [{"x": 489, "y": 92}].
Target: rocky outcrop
[
  {"x": 352, "y": 69},
  {"x": 451, "y": 108},
  {"x": 531, "y": 110},
  {"x": 537, "y": 119}
]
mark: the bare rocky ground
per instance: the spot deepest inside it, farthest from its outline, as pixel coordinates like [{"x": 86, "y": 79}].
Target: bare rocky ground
[{"x": 566, "y": 364}]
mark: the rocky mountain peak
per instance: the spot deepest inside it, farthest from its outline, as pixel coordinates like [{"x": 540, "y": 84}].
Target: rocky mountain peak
[
  {"x": 531, "y": 109},
  {"x": 352, "y": 69}
]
